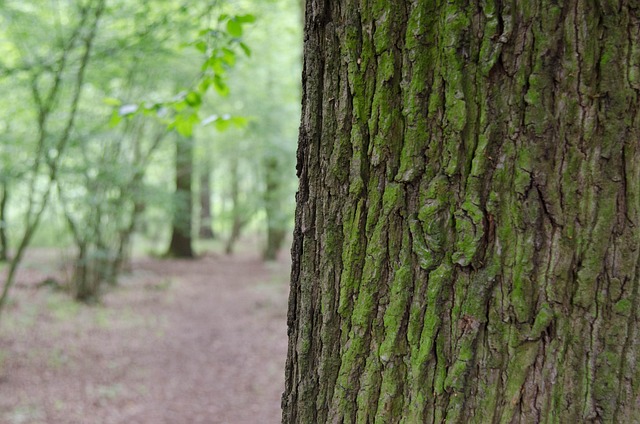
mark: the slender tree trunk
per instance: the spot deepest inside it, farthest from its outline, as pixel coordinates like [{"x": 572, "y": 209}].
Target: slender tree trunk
[
  {"x": 124, "y": 251},
  {"x": 37, "y": 204},
  {"x": 276, "y": 219},
  {"x": 205, "y": 199},
  {"x": 180, "y": 246},
  {"x": 4, "y": 241},
  {"x": 468, "y": 223},
  {"x": 237, "y": 220}
]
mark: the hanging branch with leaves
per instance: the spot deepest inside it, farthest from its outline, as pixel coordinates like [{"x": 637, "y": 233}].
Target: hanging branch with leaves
[{"x": 220, "y": 47}]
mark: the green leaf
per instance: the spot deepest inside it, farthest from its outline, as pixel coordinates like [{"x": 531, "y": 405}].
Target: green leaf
[
  {"x": 111, "y": 101},
  {"x": 201, "y": 46},
  {"x": 221, "y": 87},
  {"x": 239, "y": 121},
  {"x": 179, "y": 106},
  {"x": 115, "y": 119},
  {"x": 245, "y": 49},
  {"x": 204, "y": 84},
  {"x": 184, "y": 128},
  {"x": 246, "y": 19},
  {"x": 193, "y": 99},
  {"x": 229, "y": 56},
  {"x": 222, "y": 125},
  {"x": 184, "y": 124},
  {"x": 215, "y": 63},
  {"x": 234, "y": 28}
]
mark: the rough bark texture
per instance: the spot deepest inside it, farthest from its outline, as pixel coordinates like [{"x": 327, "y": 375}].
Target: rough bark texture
[
  {"x": 467, "y": 231},
  {"x": 180, "y": 245}
]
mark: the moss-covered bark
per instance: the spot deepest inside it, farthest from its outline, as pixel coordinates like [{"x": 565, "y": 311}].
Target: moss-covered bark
[{"x": 467, "y": 230}]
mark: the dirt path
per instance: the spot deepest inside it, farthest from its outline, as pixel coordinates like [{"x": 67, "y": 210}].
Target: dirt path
[{"x": 180, "y": 342}]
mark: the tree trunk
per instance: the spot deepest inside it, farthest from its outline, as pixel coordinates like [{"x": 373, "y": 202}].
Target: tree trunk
[
  {"x": 4, "y": 241},
  {"x": 468, "y": 218},
  {"x": 205, "y": 231},
  {"x": 238, "y": 219},
  {"x": 180, "y": 246},
  {"x": 273, "y": 199}
]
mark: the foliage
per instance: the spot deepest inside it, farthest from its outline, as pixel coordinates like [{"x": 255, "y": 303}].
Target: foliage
[{"x": 96, "y": 92}]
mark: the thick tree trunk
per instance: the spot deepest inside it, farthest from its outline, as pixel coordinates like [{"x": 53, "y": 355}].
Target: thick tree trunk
[
  {"x": 468, "y": 222},
  {"x": 180, "y": 246}
]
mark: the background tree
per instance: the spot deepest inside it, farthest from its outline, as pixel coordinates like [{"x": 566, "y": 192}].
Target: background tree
[
  {"x": 181, "y": 238},
  {"x": 206, "y": 168},
  {"x": 90, "y": 72},
  {"x": 95, "y": 95},
  {"x": 466, "y": 242},
  {"x": 51, "y": 82},
  {"x": 265, "y": 150}
]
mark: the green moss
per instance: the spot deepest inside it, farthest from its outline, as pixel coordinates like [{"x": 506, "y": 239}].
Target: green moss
[
  {"x": 441, "y": 367},
  {"x": 455, "y": 376},
  {"x": 469, "y": 233},
  {"x": 533, "y": 95},
  {"x": 478, "y": 165},
  {"x": 466, "y": 246},
  {"x": 623, "y": 307},
  {"x": 435, "y": 101},
  {"x": 490, "y": 48},
  {"x": 432, "y": 316},
  {"x": 456, "y": 114},
  {"x": 518, "y": 369},
  {"x": 542, "y": 321},
  {"x": 426, "y": 257},
  {"x": 522, "y": 172},
  {"x": 393, "y": 198},
  {"x": 522, "y": 285},
  {"x": 356, "y": 185},
  {"x": 391, "y": 401},
  {"x": 369, "y": 389},
  {"x": 351, "y": 259},
  {"x": 399, "y": 295}
]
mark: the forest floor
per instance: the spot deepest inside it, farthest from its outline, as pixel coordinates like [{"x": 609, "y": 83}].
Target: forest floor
[{"x": 178, "y": 342}]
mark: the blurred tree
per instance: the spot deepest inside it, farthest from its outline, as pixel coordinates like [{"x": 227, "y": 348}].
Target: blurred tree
[
  {"x": 4, "y": 198},
  {"x": 93, "y": 95},
  {"x": 55, "y": 82},
  {"x": 206, "y": 231},
  {"x": 181, "y": 232},
  {"x": 117, "y": 52},
  {"x": 102, "y": 186},
  {"x": 242, "y": 204},
  {"x": 269, "y": 95}
]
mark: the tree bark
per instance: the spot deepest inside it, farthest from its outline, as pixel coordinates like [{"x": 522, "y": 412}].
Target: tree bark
[
  {"x": 467, "y": 230},
  {"x": 181, "y": 240}
]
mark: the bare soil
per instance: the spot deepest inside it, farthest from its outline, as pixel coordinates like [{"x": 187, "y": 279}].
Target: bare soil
[{"x": 178, "y": 342}]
